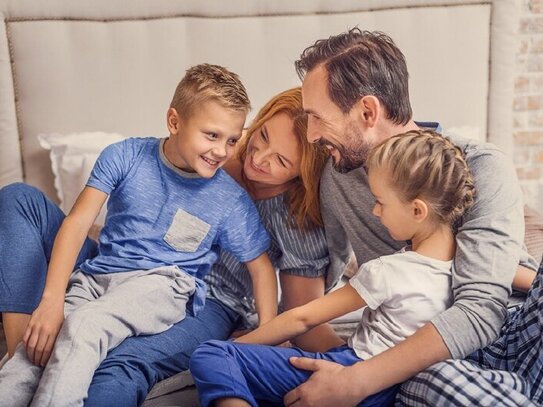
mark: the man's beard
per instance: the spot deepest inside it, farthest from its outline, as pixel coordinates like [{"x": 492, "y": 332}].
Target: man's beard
[{"x": 353, "y": 154}]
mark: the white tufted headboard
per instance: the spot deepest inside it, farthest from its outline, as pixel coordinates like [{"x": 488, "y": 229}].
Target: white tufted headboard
[{"x": 112, "y": 65}]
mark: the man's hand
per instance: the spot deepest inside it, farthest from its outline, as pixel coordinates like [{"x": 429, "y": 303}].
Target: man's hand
[
  {"x": 329, "y": 385},
  {"x": 42, "y": 330}
]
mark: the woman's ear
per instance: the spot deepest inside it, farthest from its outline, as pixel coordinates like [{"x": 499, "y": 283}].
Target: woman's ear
[
  {"x": 420, "y": 210},
  {"x": 368, "y": 110},
  {"x": 172, "y": 120}
]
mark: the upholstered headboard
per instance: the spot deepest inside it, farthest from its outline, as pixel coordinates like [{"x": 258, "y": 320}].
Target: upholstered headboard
[{"x": 112, "y": 65}]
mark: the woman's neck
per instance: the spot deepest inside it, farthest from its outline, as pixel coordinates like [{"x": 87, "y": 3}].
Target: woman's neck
[
  {"x": 257, "y": 190},
  {"x": 438, "y": 243}
]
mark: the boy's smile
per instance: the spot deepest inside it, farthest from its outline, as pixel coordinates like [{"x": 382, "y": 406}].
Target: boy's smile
[{"x": 205, "y": 140}]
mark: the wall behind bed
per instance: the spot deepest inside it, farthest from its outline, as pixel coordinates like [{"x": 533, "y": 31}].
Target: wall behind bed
[{"x": 111, "y": 65}]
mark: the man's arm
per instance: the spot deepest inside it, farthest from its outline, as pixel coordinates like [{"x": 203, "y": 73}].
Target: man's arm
[
  {"x": 488, "y": 253},
  {"x": 332, "y": 384},
  {"x": 489, "y": 246}
]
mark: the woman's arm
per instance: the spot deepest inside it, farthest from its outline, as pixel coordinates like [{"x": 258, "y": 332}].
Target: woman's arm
[
  {"x": 48, "y": 317},
  {"x": 264, "y": 287},
  {"x": 297, "y": 291},
  {"x": 301, "y": 319}
]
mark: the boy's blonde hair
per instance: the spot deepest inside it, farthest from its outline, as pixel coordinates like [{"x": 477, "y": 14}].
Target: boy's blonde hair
[
  {"x": 303, "y": 197},
  {"x": 205, "y": 82},
  {"x": 423, "y": 164}
]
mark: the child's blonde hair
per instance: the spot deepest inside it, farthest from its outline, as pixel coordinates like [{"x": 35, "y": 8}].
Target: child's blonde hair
[
  {"x": 205, "y": 82},
  {"x": 423, "y": 164}
]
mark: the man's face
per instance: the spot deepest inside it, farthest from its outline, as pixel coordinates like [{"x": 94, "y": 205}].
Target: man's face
[{"x": 340, "y": 132}]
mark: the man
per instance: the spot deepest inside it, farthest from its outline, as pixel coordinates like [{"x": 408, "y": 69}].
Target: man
[{"x": 355, "y": 91}]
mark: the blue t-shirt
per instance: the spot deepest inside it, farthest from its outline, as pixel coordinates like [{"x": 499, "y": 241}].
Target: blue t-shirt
[{"x": 160, "y": 215}]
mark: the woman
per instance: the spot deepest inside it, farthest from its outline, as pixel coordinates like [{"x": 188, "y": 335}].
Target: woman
[{"x": 281, "y": 171}]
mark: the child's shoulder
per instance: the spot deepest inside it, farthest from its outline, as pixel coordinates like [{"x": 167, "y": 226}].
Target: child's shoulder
[{"x": 225, "y": 181}]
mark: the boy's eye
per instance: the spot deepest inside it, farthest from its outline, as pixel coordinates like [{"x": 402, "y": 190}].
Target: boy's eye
[
  {"x": 232, "y": 141},
  {"x": 213, "y": 135}
]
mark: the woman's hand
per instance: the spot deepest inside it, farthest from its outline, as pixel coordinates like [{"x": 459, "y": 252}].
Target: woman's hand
[{"x": 42, "y": 330}]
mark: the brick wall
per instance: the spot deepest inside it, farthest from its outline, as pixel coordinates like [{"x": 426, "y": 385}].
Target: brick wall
[{"x": 528, "y": 104}]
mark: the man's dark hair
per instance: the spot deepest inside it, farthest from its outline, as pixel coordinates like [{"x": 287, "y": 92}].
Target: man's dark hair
[{"x": 361, "y": 63}]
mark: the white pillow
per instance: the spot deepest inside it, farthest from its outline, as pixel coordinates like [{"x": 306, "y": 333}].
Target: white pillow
[{"x": 73, "y": 157}]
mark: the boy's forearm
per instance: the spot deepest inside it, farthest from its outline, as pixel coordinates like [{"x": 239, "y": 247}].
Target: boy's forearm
[
  {"x": 399, "y": 363},
  {"x": 68, "y": 243}
]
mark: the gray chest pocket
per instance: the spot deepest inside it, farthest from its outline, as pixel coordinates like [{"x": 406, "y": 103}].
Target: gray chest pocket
[{"x": 186, "y": 232}]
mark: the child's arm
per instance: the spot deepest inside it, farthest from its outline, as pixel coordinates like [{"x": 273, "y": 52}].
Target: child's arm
[
  {"x": 301, "y": 319},
  {"x": 524, "y": 277},
  {"x": 48, "y": 317},
  {"x": 264, "y": 287}
]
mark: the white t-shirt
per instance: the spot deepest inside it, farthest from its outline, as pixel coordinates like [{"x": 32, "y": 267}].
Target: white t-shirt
[{"x": 403, "y": 291}]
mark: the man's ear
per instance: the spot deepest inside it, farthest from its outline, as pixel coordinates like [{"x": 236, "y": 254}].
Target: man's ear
[
  {"x": 420, "y": 210},
  {"x": 369, "y": 110},
  {"x": 172, "y": 120}
]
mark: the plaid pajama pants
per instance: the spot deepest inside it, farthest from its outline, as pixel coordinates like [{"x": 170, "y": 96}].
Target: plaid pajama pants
[{"x": 507, "y": 373}]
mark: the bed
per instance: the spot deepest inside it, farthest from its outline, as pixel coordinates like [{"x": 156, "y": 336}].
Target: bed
[{"x": 75, "y": 75}]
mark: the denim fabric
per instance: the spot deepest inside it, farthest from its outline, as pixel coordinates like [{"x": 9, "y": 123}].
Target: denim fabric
[{"x": 29, "y": 223}]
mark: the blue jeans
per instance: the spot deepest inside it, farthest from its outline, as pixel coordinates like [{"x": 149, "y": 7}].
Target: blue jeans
[
  {"x": 257, "y": 373},
  {"x": 29, "y": 223}
]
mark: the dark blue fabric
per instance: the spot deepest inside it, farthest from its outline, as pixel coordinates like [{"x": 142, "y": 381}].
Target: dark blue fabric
[
  {"x": 261, "y": 373},
  {"x": 29, "y": 222},
  {"x": 28, "y": 225}
]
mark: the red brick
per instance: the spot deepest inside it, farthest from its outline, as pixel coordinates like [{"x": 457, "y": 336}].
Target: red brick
[
  {"x": 531, "y": 25},
  {"x": 535, "y": 120},
  {"x": 534, "y": 64},
  {"x": 535, "y": 6},
  {"x": 523, "y": 103},
  {"x": 529, "y": 173},
  {"x": 536, "y": 45},
  {"x": 536, "y": 83},
  {"x": 529, "y": 138},
  {"x": 522, "y": 84}
]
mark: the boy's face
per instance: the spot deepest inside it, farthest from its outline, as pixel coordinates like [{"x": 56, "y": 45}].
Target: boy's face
[{"x": 205, "y": 140}]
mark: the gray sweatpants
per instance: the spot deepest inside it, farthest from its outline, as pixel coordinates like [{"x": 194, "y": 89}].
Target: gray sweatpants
[{"x": 101, "y": 310}]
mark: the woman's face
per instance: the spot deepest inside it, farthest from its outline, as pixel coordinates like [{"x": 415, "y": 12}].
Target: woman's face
[{"x": 273, "y": 152}]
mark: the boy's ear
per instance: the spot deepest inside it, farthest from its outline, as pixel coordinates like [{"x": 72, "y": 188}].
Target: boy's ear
[
  {"x": 172, "y": 120},
  {"x": 420, "y": 210},
  {"x": 368, "y": 110}
]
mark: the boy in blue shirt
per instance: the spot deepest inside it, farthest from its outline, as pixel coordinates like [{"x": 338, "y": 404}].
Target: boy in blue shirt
[{"x": 170, "y": 209}]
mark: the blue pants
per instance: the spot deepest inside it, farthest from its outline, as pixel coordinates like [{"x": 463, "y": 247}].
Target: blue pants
[
  {"x": 28, "y": 225},
  {"x": 261, "y": 373}
]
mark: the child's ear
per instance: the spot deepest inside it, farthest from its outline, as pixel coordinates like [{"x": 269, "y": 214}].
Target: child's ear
[
  {"x": 172, "y": 120},
  {"x": 420, "y": 210}
]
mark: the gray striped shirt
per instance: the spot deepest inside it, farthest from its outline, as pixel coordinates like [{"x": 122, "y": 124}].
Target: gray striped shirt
[{"x": 292, "y": 251}]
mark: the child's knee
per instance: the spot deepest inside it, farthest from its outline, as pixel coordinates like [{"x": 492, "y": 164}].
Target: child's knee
[{"x": 208, "y": 351}]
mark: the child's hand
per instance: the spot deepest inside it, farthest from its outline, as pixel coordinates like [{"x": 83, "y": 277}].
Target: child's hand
[{"x": 42, "y": 330}]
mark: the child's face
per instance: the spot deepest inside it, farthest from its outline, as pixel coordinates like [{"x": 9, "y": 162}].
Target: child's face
[
  {"x": 205, "y": 140},
  {"x": 397, "y": 216},
  {"x": 273, "y": 152}
]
